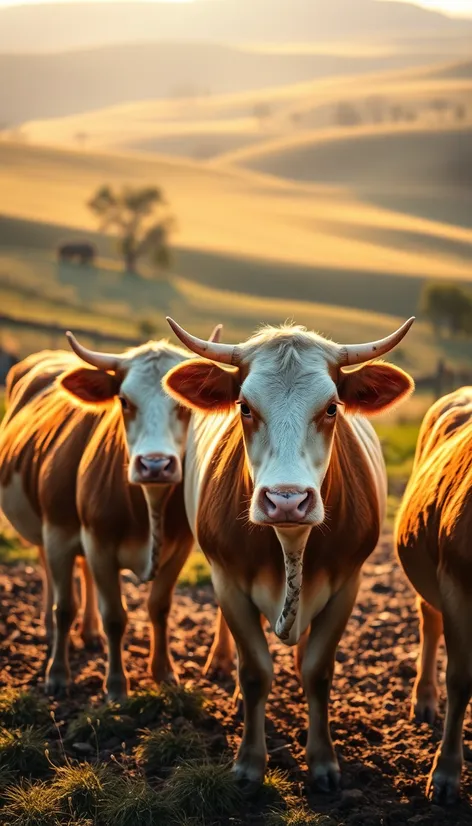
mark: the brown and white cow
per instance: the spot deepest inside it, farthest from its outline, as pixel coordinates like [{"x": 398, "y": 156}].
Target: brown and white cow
[
  {"x": 24, "y": 381},
  {"x": 434, "y": 542},
  {"x": 285, "y": 491},
  {"x": 98, "y": 469}
]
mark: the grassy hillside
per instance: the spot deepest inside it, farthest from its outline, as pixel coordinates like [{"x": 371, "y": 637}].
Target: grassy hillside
[
  {"x": 250, "y": 248},
  {"x": 218, "y": 125},
  {"x": 59, "y": 27}
]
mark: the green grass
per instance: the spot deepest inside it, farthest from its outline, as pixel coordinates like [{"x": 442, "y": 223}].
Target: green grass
[
  {"x": 79, "y": 789},
  {"x": 299, "y": 816},
  {"x": 146, "y": 707},
  {"x": 398, "y": 440},
  {"x": 204, "y": 790},
  {"x": 130, "y": 801},
  {"x": 97, "y": 725},
  {"x": 277, "y": 789},
  {"x": 23, "y": 752},
  {"x": 20, "y": 708},
  {"x": 183, "y": 702},
  {"x": 196, "y": 571},
  {"x": 161, "y": 749}
]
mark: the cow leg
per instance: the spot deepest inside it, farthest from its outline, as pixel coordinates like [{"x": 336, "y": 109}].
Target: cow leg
[
  {"x": 220, "y": 660},
  {"x": 425, "y": 692},
  {"x": 444, "y": 781},
  {"x": 61, "y": 553},
  {"x": 47, "y": 616},
  {"x": 159, "y": 603},
  {"x": 317, "y": 671},
  {"x": 91, "y": 628},
  {"x": 255, "y": 673},
  {"x": 107, "y": 579}
]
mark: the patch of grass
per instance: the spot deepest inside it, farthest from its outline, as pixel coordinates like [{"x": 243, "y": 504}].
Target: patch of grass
[
  {"x": 145, "y": 707},
  {"x": 182, "y": 702},
  {"x": 196, "y": 571},
  {"x": 398, "y": 440},
  {"x": 97, "y": 725},
  {"x": 12, "y": 550},
  {"x": 204, "y": 790},
  {"x": 30, "y": 804},
  {"x": 130, "y": 801},
  {"x": 299, "y": 816},
  {"x": 163, "y": 748},
  {"x": 23, "y": 751},
  {"x": 277, "y": 788},
  {"x": 19, "y": 708},
  {"x": 80, "y": 789}
]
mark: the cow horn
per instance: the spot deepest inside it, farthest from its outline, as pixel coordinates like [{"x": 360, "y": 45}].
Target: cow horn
[
  {"x": 358, "y": 353},
  {"x": 213, "y": 350},
  {"x": 104, "y": 361},
  {"x": 216, "y": 334}
]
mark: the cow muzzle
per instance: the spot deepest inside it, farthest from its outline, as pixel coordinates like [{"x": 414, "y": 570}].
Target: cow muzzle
[
  {"x": 284, "y": 506},
  {"x": 157, "y": 469}
]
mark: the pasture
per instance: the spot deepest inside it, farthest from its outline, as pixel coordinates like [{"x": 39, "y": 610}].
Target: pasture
[{"x": 283, "y": 211}]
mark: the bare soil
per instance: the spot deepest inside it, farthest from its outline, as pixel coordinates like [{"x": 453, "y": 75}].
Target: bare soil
[{"x": 385, "y": 758}]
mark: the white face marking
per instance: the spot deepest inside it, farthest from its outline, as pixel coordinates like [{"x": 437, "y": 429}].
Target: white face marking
[
  {"x": 287, "y": 449},
  {"x": 153, "y": 425}
]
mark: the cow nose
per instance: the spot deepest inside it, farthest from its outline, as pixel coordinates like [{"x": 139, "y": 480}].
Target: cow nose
[
  {"x": 157, "y": 468},
  {"x": 287, "y": 505}
]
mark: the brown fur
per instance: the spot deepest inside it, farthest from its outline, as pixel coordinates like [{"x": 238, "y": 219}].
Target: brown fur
[
  {"x": 338, "y": 547},
  {"x": 433, "y": 532}
]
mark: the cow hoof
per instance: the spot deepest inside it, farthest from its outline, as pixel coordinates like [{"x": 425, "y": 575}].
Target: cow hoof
[
  {"x": 56, "y": 685},
  {"x": 443, "y": 788},
  {"x": 249, "y": 774},
  {"x": 165, "y": 675},
  {"x": 116, "y": 690},
  {"x": 93, "y": 642},
  {"x": 424, "y": 712},
  {"x": 326, "y": 777}
]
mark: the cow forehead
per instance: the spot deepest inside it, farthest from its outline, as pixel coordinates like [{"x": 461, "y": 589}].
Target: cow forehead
[
  {"x": 145, "y": 369},
  {"x": 297, "y": 379}
]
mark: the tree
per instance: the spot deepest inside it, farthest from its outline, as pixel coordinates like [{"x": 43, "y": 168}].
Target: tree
[
  {"x": 448, "y": 306},
  {"x": 347, "y": 115},
  {"x": 136, "y": 216}
]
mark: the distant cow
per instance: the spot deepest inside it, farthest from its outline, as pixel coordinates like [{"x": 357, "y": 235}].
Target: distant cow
[
  {"x": 82, "y": 252},
  {"x": 99, "y": 468},
  {"x": 434, "y": 540},
  {"x": 285, "y": 492}
]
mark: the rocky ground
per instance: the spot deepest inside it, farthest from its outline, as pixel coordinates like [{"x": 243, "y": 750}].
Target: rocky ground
[{"x": 385, "y": 759}]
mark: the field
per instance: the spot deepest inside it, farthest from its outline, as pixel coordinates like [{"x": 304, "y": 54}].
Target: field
[{"x": 324, "y": 182}]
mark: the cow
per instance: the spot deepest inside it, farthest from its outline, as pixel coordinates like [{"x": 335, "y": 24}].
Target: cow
[
  {"x": 80, "y": 251},
  {"x": 24, "y": 380},
  {"x": 93, "y": 464},
  {"x": 433, "y": 536},
  {"x": 285, "y": 491}
]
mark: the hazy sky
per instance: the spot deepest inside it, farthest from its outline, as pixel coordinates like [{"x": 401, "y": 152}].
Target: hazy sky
[{"x": 453, "y": 6}]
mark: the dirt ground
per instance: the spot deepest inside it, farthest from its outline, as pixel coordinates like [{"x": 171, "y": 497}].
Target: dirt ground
[{"x": 385, "y": 759}]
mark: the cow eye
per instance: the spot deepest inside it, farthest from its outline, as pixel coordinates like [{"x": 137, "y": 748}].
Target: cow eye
[
  {"x": 245, "y": 410},
  {"x": 332, "y": 410},
  {"x": 124, "y": 403}
]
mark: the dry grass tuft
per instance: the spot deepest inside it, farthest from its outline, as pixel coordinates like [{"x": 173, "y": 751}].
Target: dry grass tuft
[
  {"x": 19, "y": 708},
  {"x": 160, "y": 750},
  {"x": 23, "y": 751},
  {"x": 204, "y": 790},
  {"x": 130, "y": 801}
]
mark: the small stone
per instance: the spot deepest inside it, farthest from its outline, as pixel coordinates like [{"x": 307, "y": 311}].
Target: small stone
[
  {"x": 350, "y": 798},
  {"x": 83, "y": 748}
]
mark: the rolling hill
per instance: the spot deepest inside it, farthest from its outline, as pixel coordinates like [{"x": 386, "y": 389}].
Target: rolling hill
[
  {"x": 250, "y": 248},
  {"x": 52, "y": 27}
]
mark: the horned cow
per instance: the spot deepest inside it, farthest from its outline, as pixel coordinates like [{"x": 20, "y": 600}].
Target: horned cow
[
  {"x": 92, "y": 463},
  {"x": 285, "y": 492},
  {"x": 433, "y": 534}
]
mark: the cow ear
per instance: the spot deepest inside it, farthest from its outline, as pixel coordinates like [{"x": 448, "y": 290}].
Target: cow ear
[
  {"x": 374, "y": 388},
  {"x": 90, "y": 386},
  {"x": 202, "y": 385}
]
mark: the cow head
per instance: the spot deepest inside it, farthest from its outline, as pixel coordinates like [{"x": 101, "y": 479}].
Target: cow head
[
  {"x": 155, "y": 424},
  {"x": 290, "y": 386}
]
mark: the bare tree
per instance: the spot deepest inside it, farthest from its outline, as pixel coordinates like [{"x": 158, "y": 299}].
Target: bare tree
[{"x": 140, "y": 219}]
